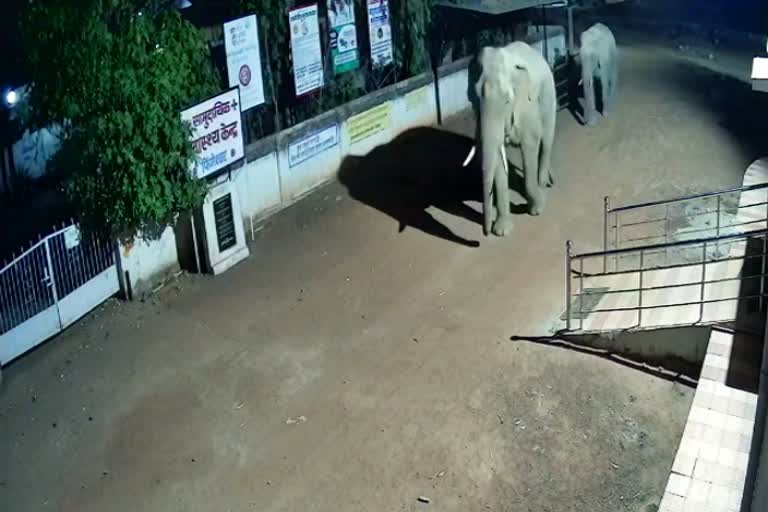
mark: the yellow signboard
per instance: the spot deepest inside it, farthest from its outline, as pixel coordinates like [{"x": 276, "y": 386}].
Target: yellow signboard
[
  {"x": 415, "y": 100},
  {"x": 369, "y": 123}
]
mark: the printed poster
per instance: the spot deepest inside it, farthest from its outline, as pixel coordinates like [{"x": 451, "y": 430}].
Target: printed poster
[
  {"x": 312, "y": 145},
  {"x": 380, "y": 32},
  {"x": 305, "y": 48},
  {"x": 217, "y": 136},
  {"x": 241, "y": 40},
  {"x": 369, "y": 123},
  {"x": 342, "y": 35}
]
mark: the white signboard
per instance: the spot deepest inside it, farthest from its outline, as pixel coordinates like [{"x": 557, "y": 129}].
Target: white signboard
[
  {"x": 241, "y": 40},
  {"x": 312, "y": 145},
  {"x": 217, "y": 134},
  {"x": 380, "y": 32},
  {"x": 305, "y": 48}
]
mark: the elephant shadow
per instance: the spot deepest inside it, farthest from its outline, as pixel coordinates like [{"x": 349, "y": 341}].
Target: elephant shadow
[{"x": 419, "y": 169}]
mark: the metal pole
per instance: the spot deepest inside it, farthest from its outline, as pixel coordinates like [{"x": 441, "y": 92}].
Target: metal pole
[
  {"x": 568, "y": 254},
  {"x": 666, "y": 234},
  {"x": 762, "y": 271},
  {"x": 640, "y": 293},
  {"x": 703, "y": 279},
  {"x": 581, "y": 294},
  {"x": 617, "y": 238},
  {"x": 571, "y": 44},
  {"x": 52, "y": 279},
  {"x": 606, "y": 208},
  {"x": 194, "y": 241},
  {"x": 718, "y": 216}
]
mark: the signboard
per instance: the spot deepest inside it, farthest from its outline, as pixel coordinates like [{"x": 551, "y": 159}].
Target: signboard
[
  {"x": 380, "y": 32},
  {"x": 216, "y": 132},
  {"x": 241, "y": 40},
  {"x": 312, "y": 145},
  {"x": 343, "y": 35},
  {"x": 305, "y": 49},
  {"x": 224, "y": 221},
  {"x": 369, "y": 123}
]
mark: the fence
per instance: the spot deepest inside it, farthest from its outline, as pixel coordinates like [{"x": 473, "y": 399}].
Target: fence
[{"x": 51, "y": 285}]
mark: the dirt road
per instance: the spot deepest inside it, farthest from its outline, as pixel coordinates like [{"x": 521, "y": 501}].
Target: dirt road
[{"x": 361, "y": 358}]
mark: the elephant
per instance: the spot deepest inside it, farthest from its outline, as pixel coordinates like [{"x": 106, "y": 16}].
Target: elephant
[
  {"x": 515, "y": 105},
  {"x": 599, "y": 59}
]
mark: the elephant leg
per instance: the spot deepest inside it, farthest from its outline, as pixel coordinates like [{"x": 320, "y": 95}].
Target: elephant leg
[
  {"x": 590, "y": 108},
  {"x": 531, "y": 172},
  {"x": 605, "y": 88},
  {"x": 503, "y": 224},
  {"x": 546, "y": 178}
]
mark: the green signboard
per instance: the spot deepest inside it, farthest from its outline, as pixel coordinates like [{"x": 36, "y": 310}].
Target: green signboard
[{"x": 343, "y": 35}]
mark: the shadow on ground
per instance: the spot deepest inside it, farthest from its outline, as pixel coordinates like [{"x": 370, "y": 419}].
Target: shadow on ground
[{"x": 419, "y": 169}]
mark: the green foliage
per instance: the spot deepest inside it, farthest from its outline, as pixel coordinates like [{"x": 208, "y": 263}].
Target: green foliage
[
  {"x": 115, "y": 74},
  {"x": 411, "y": 24}
]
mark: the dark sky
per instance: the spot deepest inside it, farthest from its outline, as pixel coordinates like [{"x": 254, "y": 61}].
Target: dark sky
[{"x": 9, "y": 45}]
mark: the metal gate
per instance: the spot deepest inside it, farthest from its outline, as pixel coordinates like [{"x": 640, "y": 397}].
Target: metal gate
[{"x": 50, "y": 286}]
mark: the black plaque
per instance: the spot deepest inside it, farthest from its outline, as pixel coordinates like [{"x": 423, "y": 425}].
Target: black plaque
[{"x": 225, "y": 222}]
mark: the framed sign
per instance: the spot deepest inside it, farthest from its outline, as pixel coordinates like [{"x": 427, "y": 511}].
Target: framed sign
[
  {"x": 342, "y": 35},
  {"x": 216, "y": 132},
  {"x": 241, "y": 40},
  {"x": 312, "y": 145},
  {"x": 224, "y": 221},
  {"x": 380, "y": 32},
  {"x": 305, "y": 49}
]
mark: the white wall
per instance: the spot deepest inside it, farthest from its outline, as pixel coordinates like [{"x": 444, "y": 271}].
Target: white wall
[
  {"x": 148, "y": 262},
  {"x": 268, "y": 183},
  {"x": 453, "y": 93}
]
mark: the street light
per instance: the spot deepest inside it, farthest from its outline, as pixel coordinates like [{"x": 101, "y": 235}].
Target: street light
[
  {"x": 182, "y": 4},
  {"x": 11, "y": 98}
]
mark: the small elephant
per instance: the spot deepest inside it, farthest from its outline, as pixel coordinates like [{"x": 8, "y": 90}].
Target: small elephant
[
  {"x": 599, "y": 60},
  {"x": 516, "y": 104}
]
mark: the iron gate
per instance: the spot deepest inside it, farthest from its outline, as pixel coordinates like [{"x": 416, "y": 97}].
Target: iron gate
[{"x": 50, "y": 286}]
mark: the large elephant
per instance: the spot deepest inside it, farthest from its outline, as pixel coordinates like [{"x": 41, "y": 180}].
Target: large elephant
[
  {"x": 516, "y": 104},
  {"x": 599, "y": 60}
]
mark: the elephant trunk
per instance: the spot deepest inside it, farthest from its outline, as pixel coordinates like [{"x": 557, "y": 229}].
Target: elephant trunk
[{"x": 492, "y": 142}]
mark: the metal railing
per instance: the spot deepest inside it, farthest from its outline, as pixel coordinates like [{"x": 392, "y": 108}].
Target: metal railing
[
  {"x": 47, "y": 271},
  {"x": 705, "y": 215},
  {"x": 656, "y": 257}
]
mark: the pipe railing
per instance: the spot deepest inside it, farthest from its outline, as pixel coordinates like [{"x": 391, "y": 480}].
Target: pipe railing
[
  {"x": 575, "y": 270},
  {"x": 613, "y": 232}
]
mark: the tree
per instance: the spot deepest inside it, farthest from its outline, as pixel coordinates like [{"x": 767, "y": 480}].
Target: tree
[{"x": 115, "y": 74}]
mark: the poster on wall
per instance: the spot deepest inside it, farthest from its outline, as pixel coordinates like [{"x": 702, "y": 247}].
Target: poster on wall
[
  {"x": 217, "y": 137},
  {"x": 312, "y": 145},
  {"x": 241, "y": 40},
  {"x": 342, "y": 35},
  {"x": 369, "y": 123},
  {"x": 380, "y": 32},
  {"x": 305, "y": 49}
]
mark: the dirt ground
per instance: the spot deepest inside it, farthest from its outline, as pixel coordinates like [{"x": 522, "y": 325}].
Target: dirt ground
[{"x": 361, "y": 358}]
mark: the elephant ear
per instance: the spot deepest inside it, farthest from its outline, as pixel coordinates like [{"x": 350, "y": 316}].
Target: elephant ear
[{"x": 523, "y": 80}]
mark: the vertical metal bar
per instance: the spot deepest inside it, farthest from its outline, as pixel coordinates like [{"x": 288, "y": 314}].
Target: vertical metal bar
[
  {"x": 606, "y": 209},
  {"x": 194, "y": 242},
  {"x": 640, "y": 292},
  {"x": 666, "y": 234},
  {"x": 581, "y": 294},
  {"x": 761, "y": 303},
  {"x": 20, "y": 312},
  {"x": 53, "y": 279},
  {"x": 568, "y": 272},
  {"x": 703, "y": 279},
  {"x": 571, "y": 44},
  {"x": 718, "y": 217},
  {"x": 617, "y": 237}
]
